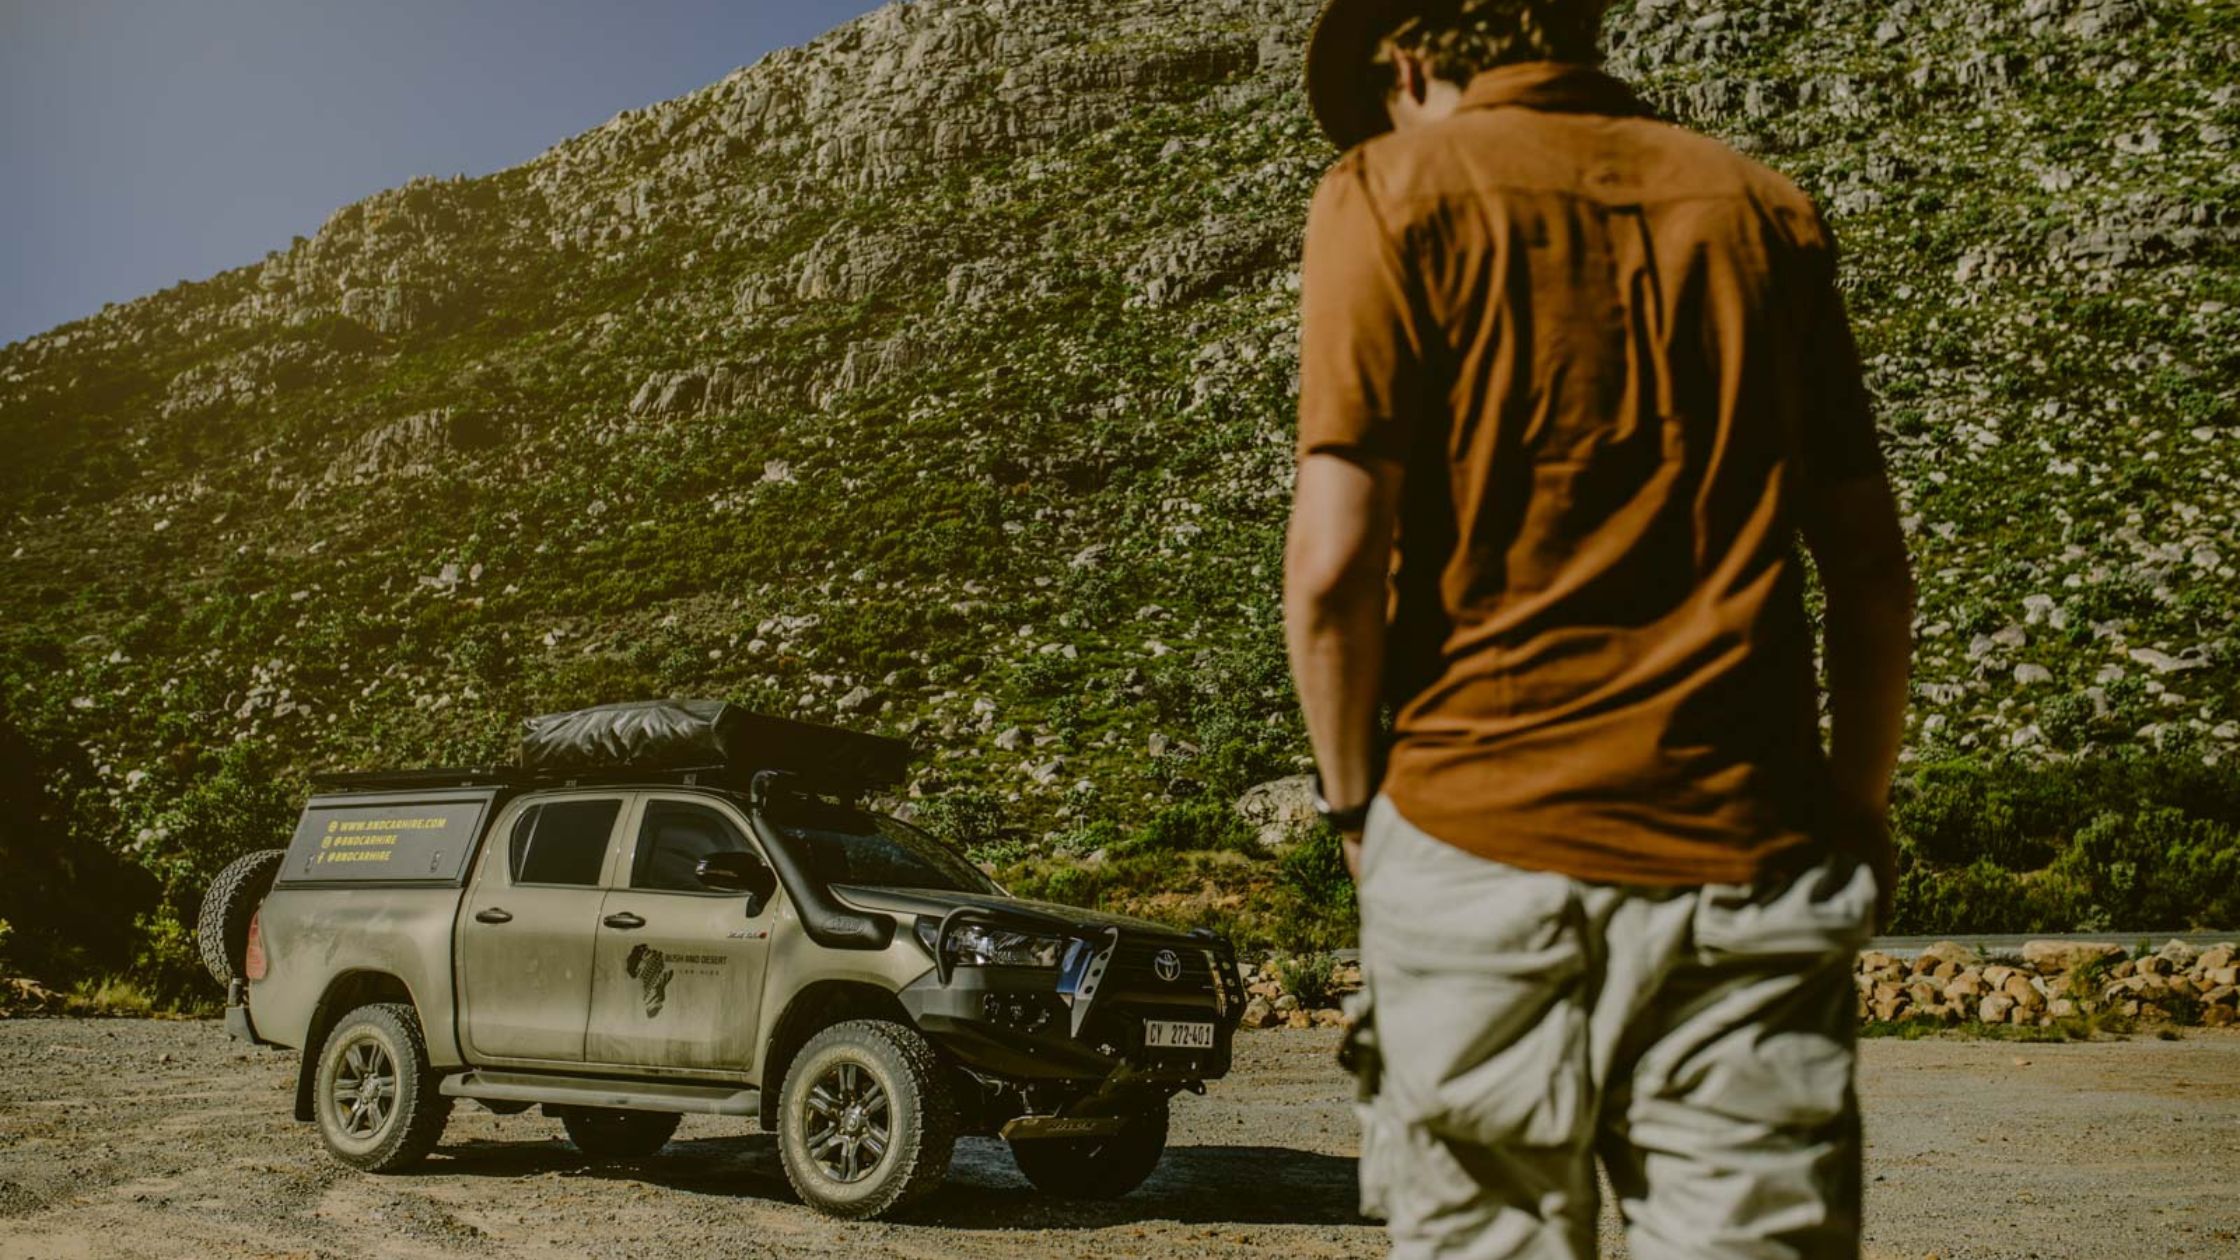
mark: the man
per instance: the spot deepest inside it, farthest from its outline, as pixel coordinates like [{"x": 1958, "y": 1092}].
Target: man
[{"x": 1573, "y": 384}]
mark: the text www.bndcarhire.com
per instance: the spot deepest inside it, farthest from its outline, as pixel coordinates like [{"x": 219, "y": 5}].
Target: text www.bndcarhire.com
[{"x": 358, "y": 839}]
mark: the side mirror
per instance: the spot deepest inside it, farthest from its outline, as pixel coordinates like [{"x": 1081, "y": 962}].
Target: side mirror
[{"x": 736, "y": 872}]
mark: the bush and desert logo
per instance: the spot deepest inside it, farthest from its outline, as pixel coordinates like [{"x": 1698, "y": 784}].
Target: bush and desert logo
[{"x": 653, "y": 969}]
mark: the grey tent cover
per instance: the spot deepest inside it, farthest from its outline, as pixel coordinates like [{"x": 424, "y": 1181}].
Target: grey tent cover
[{"x": 695, "y": 734}]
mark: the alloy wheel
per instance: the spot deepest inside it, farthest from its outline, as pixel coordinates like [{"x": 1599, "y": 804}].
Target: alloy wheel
[
  {"x": 848, "y": 1125},
  {"x": 364, "y": 1093}
]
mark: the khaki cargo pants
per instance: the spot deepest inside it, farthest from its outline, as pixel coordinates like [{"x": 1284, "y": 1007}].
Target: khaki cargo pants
[{"x": 1699, "y": 1040}]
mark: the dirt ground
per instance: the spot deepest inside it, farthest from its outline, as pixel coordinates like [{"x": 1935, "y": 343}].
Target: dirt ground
[{"x": 127, "y": 1138}]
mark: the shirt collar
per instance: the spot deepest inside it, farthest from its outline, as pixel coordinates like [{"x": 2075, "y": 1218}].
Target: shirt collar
[{"x": 1566, "y": 87}]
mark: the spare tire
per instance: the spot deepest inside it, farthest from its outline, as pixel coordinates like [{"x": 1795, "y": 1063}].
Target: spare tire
[{"x": 222, "y": 930}]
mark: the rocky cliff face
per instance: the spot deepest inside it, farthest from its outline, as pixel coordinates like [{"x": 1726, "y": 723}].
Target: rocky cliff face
[{"x": 935, "y": 377}]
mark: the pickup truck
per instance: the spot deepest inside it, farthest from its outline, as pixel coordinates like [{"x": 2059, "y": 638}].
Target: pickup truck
[{"x": 624, "y": 939}]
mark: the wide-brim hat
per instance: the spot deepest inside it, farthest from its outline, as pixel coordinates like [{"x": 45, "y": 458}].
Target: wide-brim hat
[{"x": 1345, "y": 86}]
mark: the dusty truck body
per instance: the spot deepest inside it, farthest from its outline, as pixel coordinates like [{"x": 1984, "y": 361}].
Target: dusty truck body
[{"x": 621, "y": 939}]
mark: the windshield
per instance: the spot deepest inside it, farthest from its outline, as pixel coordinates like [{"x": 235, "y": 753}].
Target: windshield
[{"x": 845, "y": 845}]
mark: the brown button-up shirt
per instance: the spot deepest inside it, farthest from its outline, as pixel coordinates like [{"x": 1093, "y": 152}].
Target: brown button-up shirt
[{"x": 1611, "y": 357}]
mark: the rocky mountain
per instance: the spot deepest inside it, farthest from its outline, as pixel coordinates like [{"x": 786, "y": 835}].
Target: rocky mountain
[{"x": 936, "y": 377}]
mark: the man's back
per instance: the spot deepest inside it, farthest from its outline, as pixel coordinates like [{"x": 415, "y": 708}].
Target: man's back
[{"x": 1599, "y": 660}]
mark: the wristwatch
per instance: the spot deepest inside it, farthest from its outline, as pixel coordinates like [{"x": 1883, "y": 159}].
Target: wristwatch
[{"x": 1352, "y": 818}]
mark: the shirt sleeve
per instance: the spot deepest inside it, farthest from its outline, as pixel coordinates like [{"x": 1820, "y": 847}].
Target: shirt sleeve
[
  {"x": 1839, "y": 436},
  {"x": 1361, "y": 361}
]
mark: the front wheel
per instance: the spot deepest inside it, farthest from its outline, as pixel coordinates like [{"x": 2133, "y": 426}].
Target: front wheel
[
  {"x": 608, "y": 1134},
  {"x": 866, "y": 1123},
  {"x": 379, "y": 1104},
  {"x": 1098, "y": 1167}
]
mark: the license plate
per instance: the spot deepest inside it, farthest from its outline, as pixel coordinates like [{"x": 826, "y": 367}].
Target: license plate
[{"x": 1175, "y": 1034}]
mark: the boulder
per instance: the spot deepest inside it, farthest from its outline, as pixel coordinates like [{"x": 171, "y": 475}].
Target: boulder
[
  {"x": 1995, "y": 1008},
  {"x": 1279, "y": 809},
  {"x": 2178, "y": 954},
  {"x": 1259, "y": 1013},
  {"x": 1953, "y": 952},
  {"x": 2057, "y": 956},
  {"x": 2215, "y": 958}
]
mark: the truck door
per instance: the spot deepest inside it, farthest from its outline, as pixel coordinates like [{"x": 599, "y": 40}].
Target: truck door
[
  {"x": 526, "y": 930},
  {"x": 677, "y": 983}
]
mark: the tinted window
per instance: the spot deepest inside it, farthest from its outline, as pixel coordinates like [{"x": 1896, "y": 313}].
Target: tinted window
[
  {"x": 517, "y": 849},
  {"x": 841, "y": 845},
  {"x": 563, "y": 842},
  {"x": 673, "y": 839}
]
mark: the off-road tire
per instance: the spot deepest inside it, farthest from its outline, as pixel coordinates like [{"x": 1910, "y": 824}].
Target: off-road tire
[
  {"x": 1095, "y": 1167},
  {"x": 602, "y": 1133},
  {"x": 221, "y": 931},
  {"x": 388, "y": 1138},
  {"x": 920, "y": 1119}
]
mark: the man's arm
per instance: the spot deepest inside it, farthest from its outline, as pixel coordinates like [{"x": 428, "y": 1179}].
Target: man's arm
[
  {"x": 1336, "y": 560},
  {"x": 1852, "y": 530}
]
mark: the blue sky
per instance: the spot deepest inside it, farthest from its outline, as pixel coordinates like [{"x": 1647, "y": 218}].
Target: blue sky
[{"x": 144, "y": 142}]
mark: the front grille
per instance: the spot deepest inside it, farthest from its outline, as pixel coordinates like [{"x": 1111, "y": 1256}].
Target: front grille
[{"x": 1135, "y": 969}]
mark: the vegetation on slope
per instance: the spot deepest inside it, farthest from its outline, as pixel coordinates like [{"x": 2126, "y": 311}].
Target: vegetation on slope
[{"x": 935, "y": 378}]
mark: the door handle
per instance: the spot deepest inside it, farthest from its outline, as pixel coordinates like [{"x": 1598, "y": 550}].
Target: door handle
[
  {"x": 624, "y": 920},
  {"x": 493, "y": 915}
]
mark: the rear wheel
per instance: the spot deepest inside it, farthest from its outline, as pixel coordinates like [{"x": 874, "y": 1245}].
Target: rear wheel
[
  {"x": 221, "y": 930},
  {"x": 1099, "y": 1167},
  {"x": 866, "y": 1123},
  {"x": 604, "y": 1134},
  {"x": 378, "y": 1102}
]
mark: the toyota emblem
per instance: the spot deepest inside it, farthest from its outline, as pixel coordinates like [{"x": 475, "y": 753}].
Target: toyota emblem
[{"x": 1168, "y": 964}]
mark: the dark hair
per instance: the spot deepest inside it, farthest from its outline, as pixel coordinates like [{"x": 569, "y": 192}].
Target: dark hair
[{"x": 1460, "y": 38}]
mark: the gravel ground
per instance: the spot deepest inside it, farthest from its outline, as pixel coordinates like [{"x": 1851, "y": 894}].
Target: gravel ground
[{"x": 130, "y": 1138}]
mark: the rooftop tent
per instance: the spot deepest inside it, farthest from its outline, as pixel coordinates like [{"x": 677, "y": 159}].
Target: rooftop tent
[{"x": 671, "y": 735}]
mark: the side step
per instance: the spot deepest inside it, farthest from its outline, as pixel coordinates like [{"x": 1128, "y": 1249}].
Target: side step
[{"x": 599, "y": 1091}]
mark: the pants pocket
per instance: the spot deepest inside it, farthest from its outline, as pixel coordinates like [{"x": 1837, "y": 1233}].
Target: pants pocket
[
  {"x": 1487, "y": 1058},
  {"x": 1827, "y": 908},
  {"x": 1478, "y": 971}
]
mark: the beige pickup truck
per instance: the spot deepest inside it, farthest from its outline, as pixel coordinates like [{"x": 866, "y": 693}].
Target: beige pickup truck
[{"x": 630, "y": 927}]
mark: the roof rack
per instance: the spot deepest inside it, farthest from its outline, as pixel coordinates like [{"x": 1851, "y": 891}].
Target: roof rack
[
  {"x": 705, "y": 743},
  {"x": 429, "y": 777},
  {"x": 512, "y": 777}
]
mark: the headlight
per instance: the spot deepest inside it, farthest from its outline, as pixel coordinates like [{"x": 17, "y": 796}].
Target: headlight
[{"x": 979, "y": 945}]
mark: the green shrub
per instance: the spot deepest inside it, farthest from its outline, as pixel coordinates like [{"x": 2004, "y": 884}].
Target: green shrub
[
  {"x": 2140, "y": 839},
  {"x": 1311, "y": 978},
  {"x": 2157, "y": 868},
  {"x": 1088, "y": 838},
  {"x": 117, "y": 996},
  {"x": 965, "y": 817},
  {"x": 1315, "y": 868},
  {"x": 1192, "y": 826}
]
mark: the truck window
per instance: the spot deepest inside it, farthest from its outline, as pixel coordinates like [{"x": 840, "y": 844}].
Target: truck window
[
  {"x": 673, "y": 839},
  {"x": 845, "y": 845},
  {"x": 563, "y": 842}
]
